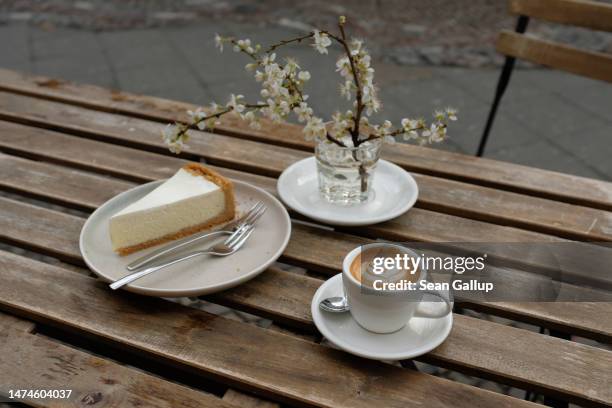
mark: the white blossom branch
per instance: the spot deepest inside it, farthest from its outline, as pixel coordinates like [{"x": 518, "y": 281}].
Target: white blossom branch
[{"x": 282, "y": 93}]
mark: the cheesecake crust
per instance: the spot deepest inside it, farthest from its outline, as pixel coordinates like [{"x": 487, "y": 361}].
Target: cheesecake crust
[
  {"x": 230, "y": 211},
  {"x": 220, "y": 219}
]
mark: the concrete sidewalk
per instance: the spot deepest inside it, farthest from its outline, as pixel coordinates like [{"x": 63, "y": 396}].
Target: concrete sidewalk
[{"x": 548, "y": 119}]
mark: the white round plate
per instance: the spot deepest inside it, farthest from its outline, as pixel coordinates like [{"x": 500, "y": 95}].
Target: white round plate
[
  {"x": 419, "y": 336},
  {"x": 395, "y": 192},
  {"x": 197, "y": 276}
]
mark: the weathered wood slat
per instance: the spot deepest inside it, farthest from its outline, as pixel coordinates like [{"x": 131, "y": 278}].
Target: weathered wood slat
[
  {"x": 584, "y": 13},
  {"x": 274, "y": 365},
  {"x": 416, "y": 225},
  {"x": 325, "y": 254},
  {"x": 56, "y": 183},
  {"x": 56, "y": 234},
  {"x": 437, "y": 194},
  {"x": 284, "y": 297},
  {"x": 545, "y": 372},
  {"x": 102, "y": 157},
  {"x": 595, "y": 65},
  {"x": 216, "y": 149},
  {"x": 34, "y": 363},
  {"x": 142, "y": 166},
  {"x": 507, "y": 176}
]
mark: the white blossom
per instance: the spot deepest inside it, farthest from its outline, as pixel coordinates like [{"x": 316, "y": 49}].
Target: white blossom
[
  {"x": 304, "y": 76},
  {"x": 219, "y": 42},
  {"x": 355, "y": 46},
  {"x": 389, "y": 139},
  {"x": 341, "y": 124},
  {"x": 386, "y": 126},
  {"x": 343, "y": 65},
  {"x": 345, "y": 89},
  {"x": 282, "y": 92},
  {"x": 171, "y": 135},
  {"x": 268, "y": 59},
  {"x": 197, "y": 117},
  {"x": 315, "y": 128},
  {"x": 252, "y": 119},
  {"x": 235, "y": 104},
  {"x": 244, "y": 45},
  {"x": 303, "y": 112},
  {"x": 373, "y": 105},
  {"x": 322, "y": 41},
  {"x": 291, "y": 65}
]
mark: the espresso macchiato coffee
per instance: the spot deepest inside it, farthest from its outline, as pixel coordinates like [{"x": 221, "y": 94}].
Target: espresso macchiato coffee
[
  {"x": 384, "y": 263},
  {"x": 378, "y": 281}
]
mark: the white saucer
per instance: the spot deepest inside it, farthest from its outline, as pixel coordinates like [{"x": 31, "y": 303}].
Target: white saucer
[
  {"x": 395, "y": 192},
  {"x": 419, "y": 336},
  {"x": 197, "y": 276}
]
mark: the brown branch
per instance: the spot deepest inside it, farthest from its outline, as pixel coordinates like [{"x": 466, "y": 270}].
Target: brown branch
[
  {"x": 186, "y": 126},
  {"x": 334, "y": 140},
  {"x": 358, "y": 93},
  {"x": 396, "y": 132},
  {"x": 285, "y": 42}
]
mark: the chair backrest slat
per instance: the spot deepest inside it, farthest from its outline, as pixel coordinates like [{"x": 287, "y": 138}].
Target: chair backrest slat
[
  {"x": 590, "y": 64},
  {"x": 584, "y": 13}
]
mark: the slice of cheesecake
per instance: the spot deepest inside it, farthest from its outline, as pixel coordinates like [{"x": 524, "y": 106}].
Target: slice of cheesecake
[{"x": 194, "y": 199}]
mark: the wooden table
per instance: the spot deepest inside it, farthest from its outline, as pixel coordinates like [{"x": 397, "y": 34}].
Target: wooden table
[{"x": 68, "y": 148}]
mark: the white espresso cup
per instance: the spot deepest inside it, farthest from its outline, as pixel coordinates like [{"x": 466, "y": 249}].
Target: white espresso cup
[{"x": 386, "y": 311}]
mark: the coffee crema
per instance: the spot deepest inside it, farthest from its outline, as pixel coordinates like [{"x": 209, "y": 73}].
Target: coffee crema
[{"x": 362, "y": 267}]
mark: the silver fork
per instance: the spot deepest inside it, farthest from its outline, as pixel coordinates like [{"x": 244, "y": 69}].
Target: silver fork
[
  {"x": 236, "y": 241},
  {"x": 249, "y": 217}
]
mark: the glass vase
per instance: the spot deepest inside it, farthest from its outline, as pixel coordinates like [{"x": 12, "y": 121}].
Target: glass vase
[{"x": 345, "y": 173}]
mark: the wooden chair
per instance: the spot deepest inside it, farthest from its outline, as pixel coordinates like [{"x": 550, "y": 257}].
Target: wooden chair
[{"x": 583, "y": 13}]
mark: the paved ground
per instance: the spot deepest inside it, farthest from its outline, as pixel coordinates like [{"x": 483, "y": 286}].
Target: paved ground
[
  {"x": 409, "y": 32},
  {"x": 548, "y": 119}
]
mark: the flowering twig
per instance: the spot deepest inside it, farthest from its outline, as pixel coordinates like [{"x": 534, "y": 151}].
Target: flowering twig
[
  {"x": 283, "y": 93},
  {"x": 358, "y": 92},
  {"x": 285, "y": 42}
]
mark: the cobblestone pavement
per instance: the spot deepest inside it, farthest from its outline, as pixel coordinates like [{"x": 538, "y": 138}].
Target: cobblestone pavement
[{"x": 432, "y": 32}]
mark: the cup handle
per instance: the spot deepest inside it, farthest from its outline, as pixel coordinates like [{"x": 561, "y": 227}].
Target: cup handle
[{"x": 424, "y": 313}]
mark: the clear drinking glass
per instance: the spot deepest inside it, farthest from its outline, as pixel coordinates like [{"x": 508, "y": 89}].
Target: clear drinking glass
[{"x": 346, "y": 173}]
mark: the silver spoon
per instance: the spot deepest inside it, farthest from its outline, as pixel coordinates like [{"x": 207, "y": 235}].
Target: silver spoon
[{"x": 337, "y": 304}]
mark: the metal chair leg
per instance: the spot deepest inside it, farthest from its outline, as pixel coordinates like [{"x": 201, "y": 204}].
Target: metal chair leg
[{"x": 502, "y": 84}]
